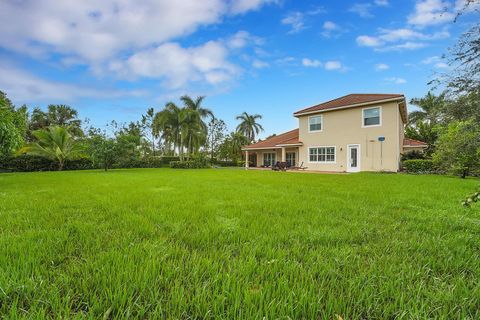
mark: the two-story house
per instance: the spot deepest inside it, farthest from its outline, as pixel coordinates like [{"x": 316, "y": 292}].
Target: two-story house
[{"x": 356, "y": 132}]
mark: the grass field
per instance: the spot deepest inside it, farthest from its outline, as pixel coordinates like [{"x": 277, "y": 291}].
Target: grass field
[{"x": 198, "y": 244}]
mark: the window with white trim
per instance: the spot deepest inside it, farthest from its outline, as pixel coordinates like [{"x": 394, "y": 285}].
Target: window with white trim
[
  {"x": 371, "y": 117},
  {"x": 322, "y": 154},
  {"x": 315, "y": 123}
]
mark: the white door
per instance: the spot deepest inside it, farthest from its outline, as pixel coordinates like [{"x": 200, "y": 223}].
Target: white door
[{"x": 353, "y": 158}]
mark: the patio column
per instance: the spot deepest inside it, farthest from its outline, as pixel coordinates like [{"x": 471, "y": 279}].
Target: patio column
[
  {"x": 246, "y": 159},
  {"x": 284, "y": 156}
]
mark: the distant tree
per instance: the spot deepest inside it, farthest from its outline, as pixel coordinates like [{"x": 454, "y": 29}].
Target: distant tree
[
  {"x": 54, "y": 143},
  {"x": 216, "y": 134},
  {"x": 463, "y": 108},
  {"x": 167, "y": 124},
  {"x": 196, "y": 104},
  {"x": 425, "y": 122},
  {"x": 464, "y": 59},
  {"x": 423, "y": 131},
  {"x": 103, "y": 151},
  {"x": 56, "y": 115},
  {"x": 249, "y": 126},
  {"x": 429, "y": 107},
  {"x": 231, "y": 147},
  {"x": 458, "y": 148},
  {"x": 148, "y": 126},
  {"x": 12, "y": 126}
]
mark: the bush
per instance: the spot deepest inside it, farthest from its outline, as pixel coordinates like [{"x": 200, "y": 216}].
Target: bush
[
  {"x": 419, "y": 166},
  {"x": 414, "y": 154},
  {"x": 25, "y": 163},
  {"x": 224, "y": 163},
  {"x": 188, "y": 164}
]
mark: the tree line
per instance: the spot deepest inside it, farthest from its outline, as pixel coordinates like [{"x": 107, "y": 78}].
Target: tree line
[{"x": 176, "y": 131}]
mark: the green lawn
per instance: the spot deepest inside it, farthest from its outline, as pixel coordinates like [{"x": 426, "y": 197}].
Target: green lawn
[{"x": 190, "y": 244}]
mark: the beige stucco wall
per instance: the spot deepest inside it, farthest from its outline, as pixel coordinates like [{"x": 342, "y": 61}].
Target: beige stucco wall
[{"x": 343, "y": 127}]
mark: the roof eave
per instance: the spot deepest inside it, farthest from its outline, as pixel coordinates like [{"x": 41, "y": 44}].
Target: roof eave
[{"x": 300, "y": 113}]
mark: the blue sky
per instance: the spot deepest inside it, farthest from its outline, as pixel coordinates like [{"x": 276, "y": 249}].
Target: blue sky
[{"x": 112, "y": 59}]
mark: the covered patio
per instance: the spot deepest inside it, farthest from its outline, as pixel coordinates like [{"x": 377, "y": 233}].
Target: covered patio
[{"x": 283, "y": 147}]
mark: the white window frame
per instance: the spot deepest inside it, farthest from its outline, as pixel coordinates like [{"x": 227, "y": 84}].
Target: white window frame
[
  {"x": 274, "y": 160},
  {"x": 321, "y": 123},
  {"x": 372, "y": 125},
  {"x": 323, "y": 162}
]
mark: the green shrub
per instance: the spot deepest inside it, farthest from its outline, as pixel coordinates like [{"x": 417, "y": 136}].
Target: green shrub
[
  {"x": 419, "y": 166},
  {"x": 187, "y": 164},
  {"x": 224, "y": 163},
  {"x": 414, "y": 154},
  {"x": 25, "y": 163}
]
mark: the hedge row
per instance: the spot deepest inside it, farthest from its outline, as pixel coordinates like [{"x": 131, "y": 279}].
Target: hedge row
[
  {"x": 26, "y": 163},
  {"x": 419, "y": 166},
  {"x": 188, "y": 164}
]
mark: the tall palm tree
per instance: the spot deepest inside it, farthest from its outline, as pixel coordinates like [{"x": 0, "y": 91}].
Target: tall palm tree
[
  {"x": 193, "y": 131},
  {"x": 197, "y": 105},
  {"x": 54, "y": 143},
  {"x": 167, "y": 123},
  {"x": 249, "y": 126}
]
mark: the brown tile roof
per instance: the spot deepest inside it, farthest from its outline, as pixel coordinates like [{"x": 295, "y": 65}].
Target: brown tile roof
[
  {"x": 349, "y": 100},
  {"x": 290, "y": 137},
  {"x": 414, "y": 143}
]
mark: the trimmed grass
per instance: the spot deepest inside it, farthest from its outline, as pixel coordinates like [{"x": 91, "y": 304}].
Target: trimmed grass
[{"x": 162, "y": 243}]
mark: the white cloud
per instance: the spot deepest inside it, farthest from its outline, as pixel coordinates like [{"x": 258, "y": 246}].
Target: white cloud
[
  {"x": 242, "y": 6},
  {"x": 436, "y": 61},
  {"x": 178, "y": 65},
  {"x": 368, "y": 41},
  {"x": 329, "y": 25},
  {"x": 362, "y": 9},
  {"x": 431, "y": 12},
  {"x": 311, "y": 63},
  {"x": 25, "y": 87},
  {"x": 295, "y": 21},
  {"x": 381, "y": 3},
  {"x": 259, "y": 64},
  {"x": 403, "y": 46},
  {"x": 329, "y": 65},
  {"x": 102, "y": 35},
  {"x": 399, "y": 39},
  {"x": 330, "y": 29},
  {"x": 381, "y": 67},
  {"x": 333, "y": 65},
  {"x": 395, "y": 80}
]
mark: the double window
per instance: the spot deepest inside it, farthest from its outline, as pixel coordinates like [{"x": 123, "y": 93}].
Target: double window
[
  {"x": 315, "y": 123},
  {"x": 372, "y": 117},
  {"x": 269, "y": 159},
  {"x": 322, "y": 154}
]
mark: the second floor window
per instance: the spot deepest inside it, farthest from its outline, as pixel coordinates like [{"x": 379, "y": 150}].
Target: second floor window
[
  {"x": 315, "y": 123},
  {"x": 371, "y": 117}
]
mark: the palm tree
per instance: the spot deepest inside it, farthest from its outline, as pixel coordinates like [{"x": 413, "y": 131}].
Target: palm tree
[
  {"x": 197, "y": 105},
  {"x": 249, "y": 126},
  {"x": 430, "y": 106},
  {"x": 54, "y": 143},
  {"x": 167, "y": 123},
  {"x": 193, "y": 131}
]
